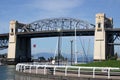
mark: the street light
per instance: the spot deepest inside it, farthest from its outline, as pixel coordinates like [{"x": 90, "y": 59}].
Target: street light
[
  {"x": 71, "y": 51},
  {"x": 75, "y": 48},
  {"x": 59, "y": 45}
]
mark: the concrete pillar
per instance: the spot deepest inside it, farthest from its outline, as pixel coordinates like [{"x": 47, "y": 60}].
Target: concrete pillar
[
  {"x": 101, "y": 37},
  {"x": 12, "y": 40},
  {"x": 99, "y": 42},
  {"x": 19, "y": 49}
]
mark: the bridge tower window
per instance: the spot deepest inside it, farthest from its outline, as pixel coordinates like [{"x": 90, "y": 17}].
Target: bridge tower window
[
  {"x": 99, "y": 25},
  {"x": 11, "y": 30}
]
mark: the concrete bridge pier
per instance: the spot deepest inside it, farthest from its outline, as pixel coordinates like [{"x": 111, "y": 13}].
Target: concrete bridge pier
[
  {"x": 19, "y": 49},
  {"x": 101, "y": 48}
]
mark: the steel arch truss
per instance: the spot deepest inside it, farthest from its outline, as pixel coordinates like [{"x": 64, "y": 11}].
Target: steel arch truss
[
  {"x": 115, "y": 36},
  {"x": 3, "y": 43},
  {"x": 55, "y": 24}
]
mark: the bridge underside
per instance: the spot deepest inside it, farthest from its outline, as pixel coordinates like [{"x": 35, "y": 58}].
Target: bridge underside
[
  {"x": 3, "y": 41},
  {"x": 24, "y": 40},
  {"x": 55, "y": 33},
  {"x": 23, "y": 50}
]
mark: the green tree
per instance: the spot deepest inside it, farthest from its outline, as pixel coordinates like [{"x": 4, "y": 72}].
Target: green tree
[
  {"x": 42, "y": 58},
  {"x": 51, "y": 58},
  {"x": 113, "y": 57}
]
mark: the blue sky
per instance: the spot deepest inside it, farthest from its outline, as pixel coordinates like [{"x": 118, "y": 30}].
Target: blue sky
[{"x": 27, "y": 11}]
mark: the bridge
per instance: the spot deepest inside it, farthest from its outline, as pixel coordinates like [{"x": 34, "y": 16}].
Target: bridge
[{"x": 18, "y": 40}]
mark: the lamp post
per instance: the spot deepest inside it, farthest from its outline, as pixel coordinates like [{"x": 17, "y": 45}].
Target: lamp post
[
  {"x": 71, "y": 51},
  {"x": 75, "y": 48},
  {"x": 59, "y": 45}
]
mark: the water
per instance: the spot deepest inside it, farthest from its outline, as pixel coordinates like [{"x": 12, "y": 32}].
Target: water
[{"x": 7, "y": 72}]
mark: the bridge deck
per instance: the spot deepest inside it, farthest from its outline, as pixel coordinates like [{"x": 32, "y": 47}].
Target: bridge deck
[
  {"x": 5, "y": 35},
  {"x": 54, "y": 33}
]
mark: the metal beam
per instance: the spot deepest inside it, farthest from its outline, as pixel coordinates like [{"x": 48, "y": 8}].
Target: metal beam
[{"x": 114, "y": 43}]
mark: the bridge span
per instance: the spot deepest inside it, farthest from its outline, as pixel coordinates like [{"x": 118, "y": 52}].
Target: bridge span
[{"x": 19, "y": 37}]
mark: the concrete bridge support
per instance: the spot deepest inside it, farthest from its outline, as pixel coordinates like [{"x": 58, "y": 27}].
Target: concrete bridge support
[
  {"x": 101, "y": 48},
  {"x": 19, "y": 48}
]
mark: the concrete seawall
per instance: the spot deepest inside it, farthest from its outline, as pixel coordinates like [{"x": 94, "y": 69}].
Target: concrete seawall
[
  {"x": 52, "y": 72},
  {"x": 32, "y": 76}
]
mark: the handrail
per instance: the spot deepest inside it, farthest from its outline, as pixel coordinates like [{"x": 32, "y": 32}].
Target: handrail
[{"x": 24, "y": 67}]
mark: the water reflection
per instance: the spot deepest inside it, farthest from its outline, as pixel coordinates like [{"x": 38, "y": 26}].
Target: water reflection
[{"x": 7, "y": 72}]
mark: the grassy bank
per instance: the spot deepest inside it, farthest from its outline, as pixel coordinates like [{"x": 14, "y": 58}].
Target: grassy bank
[{"x": 108, "y": 63}]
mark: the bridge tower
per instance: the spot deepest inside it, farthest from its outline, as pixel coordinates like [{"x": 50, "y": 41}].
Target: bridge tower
[
  {"x": 19, "y": 48},
  {"x": 101, "y": 48}
]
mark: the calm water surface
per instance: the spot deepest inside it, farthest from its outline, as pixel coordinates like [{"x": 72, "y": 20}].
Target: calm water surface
[{"x": 7, "y": 72}]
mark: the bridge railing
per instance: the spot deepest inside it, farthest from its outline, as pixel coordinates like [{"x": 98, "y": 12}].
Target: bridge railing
[{"x": 75, "y": 71}]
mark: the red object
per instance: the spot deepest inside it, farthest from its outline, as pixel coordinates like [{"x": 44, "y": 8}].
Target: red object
[{"x": 34, "y": 45}]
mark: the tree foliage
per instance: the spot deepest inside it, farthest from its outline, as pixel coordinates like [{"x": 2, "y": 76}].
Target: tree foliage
[
  {"x": 41, "y": 58},
  {"x": 110, "y": 57}
]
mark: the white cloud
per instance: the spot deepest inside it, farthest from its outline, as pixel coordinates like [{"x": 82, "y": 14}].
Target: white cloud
[
  {"x": 53, "y": 8},
  {"x": 56, "y": 5}
]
